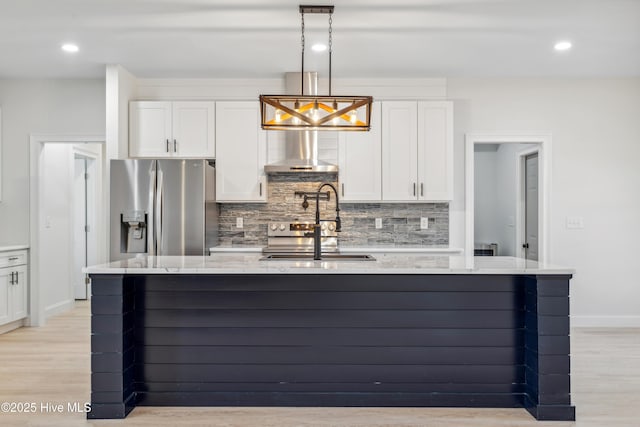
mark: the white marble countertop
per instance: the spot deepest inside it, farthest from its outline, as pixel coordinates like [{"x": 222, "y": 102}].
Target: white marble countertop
[
  {"x": 13, "y": 248},
  {"x": 352, "y": 249},
  {"x": 386, "y": 263}
]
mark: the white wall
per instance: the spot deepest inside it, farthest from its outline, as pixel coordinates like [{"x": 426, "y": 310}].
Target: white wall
[
  {"x": 595, "y": 175},
  {"x": 485, "y": 197},
  {"x": 56, "y": 169},
  {"x": 39, "y": 106}
]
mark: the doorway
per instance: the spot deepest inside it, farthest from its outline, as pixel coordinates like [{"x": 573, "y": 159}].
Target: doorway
[
  {"x": 53, "y": 267},
  {"x": 500, "y": 212}
]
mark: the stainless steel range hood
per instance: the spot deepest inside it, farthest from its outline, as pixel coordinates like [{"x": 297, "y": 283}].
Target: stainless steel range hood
[{"x": 301, "y": 147}]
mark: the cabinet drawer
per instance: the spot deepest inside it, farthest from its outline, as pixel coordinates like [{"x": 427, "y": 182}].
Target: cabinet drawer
[{"x": 8, "y": 259}]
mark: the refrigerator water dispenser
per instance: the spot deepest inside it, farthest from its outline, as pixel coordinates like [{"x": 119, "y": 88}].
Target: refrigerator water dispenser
[{"x": 134, "y": 232}]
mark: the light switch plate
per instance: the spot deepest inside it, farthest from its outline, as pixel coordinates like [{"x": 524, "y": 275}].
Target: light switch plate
[
  {"x": 424, "y": 223},
  {"x": 575, "y": 222},
  {"x": 239, "y": 222},
  {"x": 378, "y": 223}
]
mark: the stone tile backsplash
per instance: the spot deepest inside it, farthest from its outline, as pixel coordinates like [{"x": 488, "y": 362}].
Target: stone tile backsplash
[{"x": 400, "y": 221}]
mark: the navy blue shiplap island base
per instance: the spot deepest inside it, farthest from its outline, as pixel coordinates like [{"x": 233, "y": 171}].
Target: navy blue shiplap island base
[{"x": 409, "y": 330}]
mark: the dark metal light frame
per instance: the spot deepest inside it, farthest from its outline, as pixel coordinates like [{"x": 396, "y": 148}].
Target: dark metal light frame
[{"x": 315, "y": 112}]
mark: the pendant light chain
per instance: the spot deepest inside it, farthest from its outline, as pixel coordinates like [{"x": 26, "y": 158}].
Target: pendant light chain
[
  {"x": 330, "y": 48},
  {"x": 302, "y": 41}
]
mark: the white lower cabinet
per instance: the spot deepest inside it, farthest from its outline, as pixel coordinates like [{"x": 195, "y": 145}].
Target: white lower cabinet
[
  {"x": 13, "y": 286},
  {"x": 241, "y": 148}
]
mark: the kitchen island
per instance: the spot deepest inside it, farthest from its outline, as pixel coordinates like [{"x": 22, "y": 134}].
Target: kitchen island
[{"x": 404, "y": 330}]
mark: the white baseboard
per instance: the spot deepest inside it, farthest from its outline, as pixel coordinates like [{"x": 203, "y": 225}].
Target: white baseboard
[
  {"x": 11, "y": 326},
  {"x": 605, "y": 321},
  {"x": 58, "y": 308}
]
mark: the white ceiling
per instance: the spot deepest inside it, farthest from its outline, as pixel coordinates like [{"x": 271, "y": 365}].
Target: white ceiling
[{"x": 372, "y": 38}]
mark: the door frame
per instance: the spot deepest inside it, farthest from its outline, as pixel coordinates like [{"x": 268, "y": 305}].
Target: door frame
[
  {"x": 543, "y": 142},
  {"x": 97, "y": 222},
  {"x": 521, "y": 201},
  {"x": 36, "y": 145}
]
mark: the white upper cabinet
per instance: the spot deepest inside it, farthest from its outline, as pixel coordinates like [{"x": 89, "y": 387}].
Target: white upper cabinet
[
  {"x": 399, "y": 150},
  {"x": 360, "y": 162},
  {"x": 150, "y": 133},
  {"x": 241, "y": 147},
  {"x": 172, "y": 129},
  {"x": 194, "y": 128},
  {"x": 417, "y": 151},
  {"x": 435, "y": 150}
]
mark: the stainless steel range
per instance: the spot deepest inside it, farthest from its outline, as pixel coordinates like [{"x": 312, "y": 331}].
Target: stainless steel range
[{"x": 297, "y": 237}]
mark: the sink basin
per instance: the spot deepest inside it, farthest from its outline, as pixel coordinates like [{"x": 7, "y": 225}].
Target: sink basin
[{"x": 325, "y": 257}]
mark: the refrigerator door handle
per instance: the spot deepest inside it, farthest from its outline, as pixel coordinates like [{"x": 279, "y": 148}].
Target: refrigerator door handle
[
  {"x": 151, "y": 244},
  {"x": 158, "y": 209}
]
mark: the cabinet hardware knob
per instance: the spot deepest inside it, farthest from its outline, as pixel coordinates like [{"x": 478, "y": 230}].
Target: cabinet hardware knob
[
  {"x": 421, "y": 189},
  {"x": 13, "y": 258},
  {"x": 261, "y": 189},
  {"x": 167, "y": 145},
  {"x": 343, "y": 189},
  {"x": 11, "y": 280},
  {"x": 414, "y": 188},
  {"x": 175, "y": 144}
]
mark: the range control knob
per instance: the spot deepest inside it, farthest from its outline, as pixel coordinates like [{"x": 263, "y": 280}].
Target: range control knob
[
  {"x": 274, "y": 227},
  {"x": 323, "y": 227},
  {"x": 332, "y": 226},
  {"x": 282, "y": 227}
]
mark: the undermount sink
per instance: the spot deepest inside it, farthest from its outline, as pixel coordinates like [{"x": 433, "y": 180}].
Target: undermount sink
[{"x": 325, "y": 257}]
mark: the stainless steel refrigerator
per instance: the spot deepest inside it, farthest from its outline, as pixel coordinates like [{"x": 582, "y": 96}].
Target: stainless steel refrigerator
[{"x": 162, "y": 207}]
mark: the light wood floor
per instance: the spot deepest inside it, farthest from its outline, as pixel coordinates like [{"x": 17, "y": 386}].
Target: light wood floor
[{"x": 52, "y": 364}]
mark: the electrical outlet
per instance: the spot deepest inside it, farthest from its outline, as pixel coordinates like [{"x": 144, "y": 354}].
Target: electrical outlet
[
  {"x": 378, "y": 223},
  {"x": 239, "y": 222},
  {"x": 424, "y": 223}
]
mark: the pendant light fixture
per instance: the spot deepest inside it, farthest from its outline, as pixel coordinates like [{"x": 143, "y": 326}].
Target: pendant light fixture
[{"x": 315, "y": 112}]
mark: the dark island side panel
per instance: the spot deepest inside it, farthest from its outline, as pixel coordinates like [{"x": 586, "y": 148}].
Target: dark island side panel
[{"x": 330, "y": 340}]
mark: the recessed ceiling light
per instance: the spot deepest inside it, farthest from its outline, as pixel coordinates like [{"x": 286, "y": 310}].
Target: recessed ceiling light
[
  {"x": 70, "y": 47},
  {"x": 319, "y": 47},
  {"x": 562, "y": 45}
]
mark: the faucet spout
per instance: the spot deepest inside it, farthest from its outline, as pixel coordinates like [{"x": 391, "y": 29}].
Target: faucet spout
[{"x": 338, "y": 220}]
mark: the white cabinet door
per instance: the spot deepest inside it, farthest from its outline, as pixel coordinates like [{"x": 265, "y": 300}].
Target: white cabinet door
[
  {"x": 5, "y": 295},
  {"x": 194, "y": 129},
  {"x": 360, "y": 162},
  {"x": 399, "y": 150},
  {"x": 241, "y": 151},
  {"x": 435, "y": 150},
  {"x": 19, "y": 294},
  {"x": 150, "y": 133}
]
